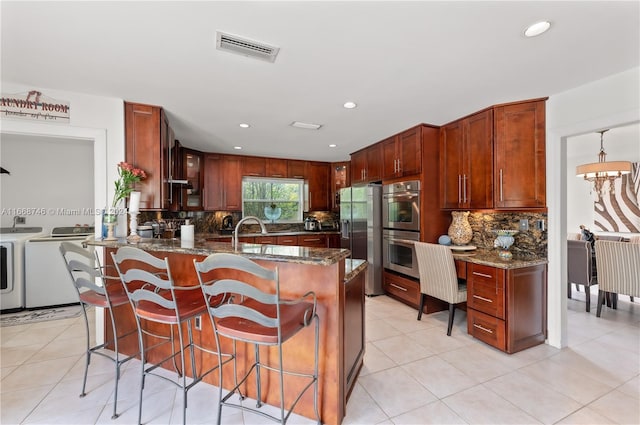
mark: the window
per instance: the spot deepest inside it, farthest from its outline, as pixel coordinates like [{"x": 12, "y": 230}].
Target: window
[{"x": 272, "y": 200}]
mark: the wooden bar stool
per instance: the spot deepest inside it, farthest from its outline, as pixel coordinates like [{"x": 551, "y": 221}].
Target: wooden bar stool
[
  {"x": 156, "y": 300},
  {"x": 248, "y": 314},
  {"x": 85, "y": 271}
]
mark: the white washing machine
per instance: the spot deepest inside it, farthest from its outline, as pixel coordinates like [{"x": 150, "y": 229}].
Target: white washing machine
[
  {"x": 47, "y": 281},
  {"x": 12, "y": 247}
]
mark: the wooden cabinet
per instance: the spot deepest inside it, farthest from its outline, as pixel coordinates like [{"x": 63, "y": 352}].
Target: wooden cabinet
[
  {"x": 318, "y": 186},
  {"x": 147, "y": 135},
  {"x": 354, "y": 332},
  {"x": 276, "y": 168},
  {"x": 495, "y": 158},
  {"x": 366, "y": 165},
  {"x": 296, "y": 169},
  {"x": 520, "y": 172},
  {"x": 339, "y": 179},
  {"x": 506, "y": 308},
  {"x": 407, "y": 290},
  {"x": 287, "y": 240},
  {"x": 333, "y": 241},
  {"x": 466, "y": 162},
  {"x": 402, "y": 154},
  {"x": 317, "y": 241},
  {"x": 223, "y": 183},
  {"x": 254, "y": 166},
  {"x": 190, "y": 194}
]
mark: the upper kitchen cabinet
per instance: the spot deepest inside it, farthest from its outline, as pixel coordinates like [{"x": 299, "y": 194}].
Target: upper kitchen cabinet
[
  {"x": 256, "y": 166},
  {"x": 296, "y": 169},
  {"x": 520, "y": 171},
  {"x": 222, "y": 183},
  {"x": 339, "y": 174},
  {"x": 193, "y": 172},
  {"x": 276, "y": 168},
  {"x": 149, "y": 144},
  {"x": 366, "y": 164},
  {"x": 318, "y": 186},
  {"x": 466, "y": 162},
  {"x": 402, "y": 154}
]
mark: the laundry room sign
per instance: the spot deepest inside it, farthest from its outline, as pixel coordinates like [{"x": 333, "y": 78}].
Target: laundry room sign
[{"x": 33, "y": 105}]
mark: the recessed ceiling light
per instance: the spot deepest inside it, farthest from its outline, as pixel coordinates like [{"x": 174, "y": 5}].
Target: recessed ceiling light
[
  {"x": 237, "y": 147},
  {"x": 537, "y": 28},
  {"x": 305, "y": 125},
  {"x": 332, "y": 145},
  {"x": 350, "y": 105},
  {"x": 244, "y": 125}
]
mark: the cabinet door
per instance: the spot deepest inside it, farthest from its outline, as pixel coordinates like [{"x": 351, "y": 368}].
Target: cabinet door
[
  {"x": 358, "y": 166},
  {"x": 409, "y": 151},
  {"x": 143, "y": 145},
  {"x": 318, "y": 186},
  {"x": 254, "y": 166},
  {"x": 317, "y": 241},
  {"x": 374, "y": 163},
  {"x": 276, "y": 168},
  {"x": 223, "y": 183},
  {"x": 193, "y": 172},
  {"x": 520, "y": 155},
  {"x": 478, "y": 160},
  {"x": 451, "y": 165},
  {"x": 287, "y": 240},
  {"x": 390, "y": 159},
  {"x": 296, "y": 169},
  {"x": 339, "y": 180}
]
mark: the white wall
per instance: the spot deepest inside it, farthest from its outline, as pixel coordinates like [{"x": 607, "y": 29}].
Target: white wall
[
  {"x": 92, "y": 118},
  {"x": 620, "y": 144},
  {"x": 51, "y": 179},
  {"x": 611, "y": 102}
]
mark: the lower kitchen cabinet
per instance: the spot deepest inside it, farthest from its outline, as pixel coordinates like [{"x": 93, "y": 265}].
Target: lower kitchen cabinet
[
  {"x": 407, "y": 290},
  {"x": 354, "y": 338},
  {"x": 507, "y": 308},
  {"x": 319, "y": 241}
]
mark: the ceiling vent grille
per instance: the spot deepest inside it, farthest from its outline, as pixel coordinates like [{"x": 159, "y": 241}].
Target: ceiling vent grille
[{"x": 246, "y": 47}]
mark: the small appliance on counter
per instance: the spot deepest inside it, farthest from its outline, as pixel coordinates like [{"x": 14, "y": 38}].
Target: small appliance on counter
[
  {"x": 311, "y": 224},
  {"x": 227, "y": 224}
]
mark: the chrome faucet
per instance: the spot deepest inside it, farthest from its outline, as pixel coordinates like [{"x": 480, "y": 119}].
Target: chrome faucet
[{"x": 247, "y": 218}]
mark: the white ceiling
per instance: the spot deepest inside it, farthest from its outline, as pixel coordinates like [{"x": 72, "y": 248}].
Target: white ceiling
[{"x": 403, "y": 62}]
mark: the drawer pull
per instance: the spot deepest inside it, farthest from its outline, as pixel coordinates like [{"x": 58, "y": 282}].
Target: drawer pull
[
  {"x": 398, "y": 287},
  {"x": 482, "y": 328},
  {"x": 483, "y": 298},
  {"x": 482, "y": 275},
  {"x": 311, "y": 240}
]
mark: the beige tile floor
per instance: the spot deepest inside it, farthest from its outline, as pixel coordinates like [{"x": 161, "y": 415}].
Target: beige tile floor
[{"x": 413, "y": 374}]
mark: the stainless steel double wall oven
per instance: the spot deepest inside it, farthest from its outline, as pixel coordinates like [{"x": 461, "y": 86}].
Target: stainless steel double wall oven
[{"x": 401, "y": 222}]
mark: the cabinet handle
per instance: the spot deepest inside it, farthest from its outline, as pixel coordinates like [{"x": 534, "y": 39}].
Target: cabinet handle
[
  {"x": 482, "y": 328},
  {"x": 276, "y": 175},
  {"x": 399, "y": 167},
  {"x": 311, "y": 240},
  {"x": 253, "y": 174},
  {"x": 464, "y": 188},
  {"x": 459, "y": 189},
  {"x": 483, "y": 298},
  {"x": 298, "y": 177},
  {"x": 501, "y": 185},
  {"x": 398, "y": 287},
  {"x": 482, "y": 274}
]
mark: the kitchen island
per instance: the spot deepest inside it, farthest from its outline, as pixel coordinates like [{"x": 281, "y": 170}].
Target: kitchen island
[{"x": 339, "y": 287}]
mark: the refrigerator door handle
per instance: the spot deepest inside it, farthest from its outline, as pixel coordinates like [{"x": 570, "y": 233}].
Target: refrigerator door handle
[{"x": 344, "y": 229}]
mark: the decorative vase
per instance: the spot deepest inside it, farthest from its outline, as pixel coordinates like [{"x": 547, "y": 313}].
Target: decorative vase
[
  {"x": 504, "y": 240},
  {"x": 109, "y": 220},
  {"x": 460, "y": 230}
]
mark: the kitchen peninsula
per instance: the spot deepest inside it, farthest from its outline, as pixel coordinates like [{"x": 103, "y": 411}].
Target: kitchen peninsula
[{"x": 338, "y": 283}]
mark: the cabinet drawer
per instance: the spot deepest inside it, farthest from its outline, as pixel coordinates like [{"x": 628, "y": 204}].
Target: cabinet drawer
[
  {"x": 485, "y": 290},
  {"x": 313, "y": 241},
  {"x": 287, "y": 240},
  {"x": 486, "y": 328},
  {"x": 404, "y": 289}
]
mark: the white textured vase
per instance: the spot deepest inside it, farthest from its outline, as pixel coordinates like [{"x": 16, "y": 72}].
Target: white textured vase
[{"x": 460, "y": 230}]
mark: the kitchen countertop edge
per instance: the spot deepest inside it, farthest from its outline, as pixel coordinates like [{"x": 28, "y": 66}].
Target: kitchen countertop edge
[{"x": 490, "y": 257}]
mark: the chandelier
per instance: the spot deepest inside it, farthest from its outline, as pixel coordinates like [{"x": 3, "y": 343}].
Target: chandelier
[{"x": 602, "y": 173}]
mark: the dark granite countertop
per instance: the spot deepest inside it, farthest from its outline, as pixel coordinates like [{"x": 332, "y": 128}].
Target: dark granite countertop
[
  {"x": 270, "y": 234},
  {"x": 489, "y": 257},
  {"x": 353, "y": 267},
  {"x": 283, "y": 253}
]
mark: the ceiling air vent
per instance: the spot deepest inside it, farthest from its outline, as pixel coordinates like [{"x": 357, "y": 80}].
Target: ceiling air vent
[{"x": 246, "y": 47}]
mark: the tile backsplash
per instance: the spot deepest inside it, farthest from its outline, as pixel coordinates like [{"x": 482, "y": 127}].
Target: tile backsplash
[{"x": 530, "y": 243}]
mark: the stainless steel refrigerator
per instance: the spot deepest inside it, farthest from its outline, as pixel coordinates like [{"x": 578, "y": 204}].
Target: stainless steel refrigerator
[{"x": 361, "y": 230}]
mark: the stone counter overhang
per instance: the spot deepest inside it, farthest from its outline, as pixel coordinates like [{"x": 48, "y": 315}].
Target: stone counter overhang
[
  {"x": 489, "y": 257},
  {"x": 208, "y": 236},
  {"x": 279, "y": 253}
]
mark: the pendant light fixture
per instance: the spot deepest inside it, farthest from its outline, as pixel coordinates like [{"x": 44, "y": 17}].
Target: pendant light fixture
[{"x": 602, "y": 174}]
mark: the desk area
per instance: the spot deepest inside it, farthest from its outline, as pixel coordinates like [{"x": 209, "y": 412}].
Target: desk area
[{"x": 506, "y": 299}]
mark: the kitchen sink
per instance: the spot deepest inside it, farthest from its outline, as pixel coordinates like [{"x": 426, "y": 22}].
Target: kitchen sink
[{"x": 4, "y": 230}]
